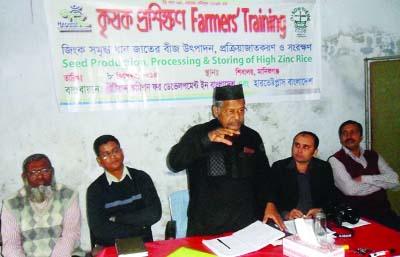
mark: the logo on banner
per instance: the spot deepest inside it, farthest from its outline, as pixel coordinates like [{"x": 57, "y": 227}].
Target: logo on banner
[
  {"x": 300, "y": 16},
  {"x": 74, "y": 20}
]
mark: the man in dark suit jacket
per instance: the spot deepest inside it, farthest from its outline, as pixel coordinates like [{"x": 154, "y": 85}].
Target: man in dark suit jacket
[{"x": 301, "y": 185}]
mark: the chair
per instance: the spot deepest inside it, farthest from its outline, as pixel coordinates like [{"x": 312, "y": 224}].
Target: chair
[{"x": 178, "y": 204}]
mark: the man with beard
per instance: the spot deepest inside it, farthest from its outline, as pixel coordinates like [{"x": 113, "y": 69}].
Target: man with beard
[
  {"x": 43, "y": 218},
  {"x": 226, "y": 167},
  {"x": 362, "y": 177},
  {"x": 122, "y": 202},
  {"x": 301, "y": 185}
]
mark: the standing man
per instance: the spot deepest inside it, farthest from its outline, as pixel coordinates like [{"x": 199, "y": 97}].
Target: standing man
[
  {"x": 301, "y": 185},
  {"x": 362, "y": 177},
  {"x": 123, "y": 201},
  {"x": 43, "y": 218},
  {"x": 226, "y": 167}
]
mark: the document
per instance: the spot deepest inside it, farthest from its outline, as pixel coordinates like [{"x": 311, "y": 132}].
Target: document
[
  {"x": 249, "y": 239},
  {"x": 360, "y": 223}
]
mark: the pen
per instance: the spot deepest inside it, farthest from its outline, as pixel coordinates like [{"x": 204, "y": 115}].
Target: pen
[
  {"x": 219, "y": 240},
  {"x": 382, "y": 253}
]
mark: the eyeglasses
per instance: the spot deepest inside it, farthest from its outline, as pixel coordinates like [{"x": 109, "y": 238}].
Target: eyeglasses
[
  {"x": 44, "y": 171},
  {"x": 108, "y": 155}
]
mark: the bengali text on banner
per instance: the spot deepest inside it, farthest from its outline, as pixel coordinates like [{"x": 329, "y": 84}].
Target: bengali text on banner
[{"x": 117, "y": 55}]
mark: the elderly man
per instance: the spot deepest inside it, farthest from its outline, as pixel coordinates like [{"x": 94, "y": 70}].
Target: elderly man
[
  {"x": 122, "y": 202},
  {"x": 301, "y": 185},
  {"x": 43, "y": 218},
  {"x": 362, "y": 177},
  {"x": 226, "y": 165}
]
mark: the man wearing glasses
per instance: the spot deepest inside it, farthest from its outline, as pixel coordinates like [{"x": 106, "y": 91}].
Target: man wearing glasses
[
  {"x": 42, "y": 218},
  {"x": 123, "y": 201},
  {"x": 226, "y": 167}
]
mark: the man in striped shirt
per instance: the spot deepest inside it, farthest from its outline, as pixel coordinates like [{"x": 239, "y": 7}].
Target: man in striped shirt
[{"x": 43, "y": 218}]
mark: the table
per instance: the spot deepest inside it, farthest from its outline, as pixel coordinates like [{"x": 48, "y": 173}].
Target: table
[{"x": 373, "y": 236}]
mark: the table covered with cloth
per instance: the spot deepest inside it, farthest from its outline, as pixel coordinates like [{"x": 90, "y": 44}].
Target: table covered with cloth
[{"x": 373, "y": 237}]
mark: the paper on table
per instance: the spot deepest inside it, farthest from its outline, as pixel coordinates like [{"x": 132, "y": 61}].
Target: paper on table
[
  {"x": 249, "y": 239},
  {"x": 360, "y": 223},
  {"x": 291, "y": 227}
]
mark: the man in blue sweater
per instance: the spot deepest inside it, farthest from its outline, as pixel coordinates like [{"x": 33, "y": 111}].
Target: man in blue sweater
[{"x": 123, "y": 201}]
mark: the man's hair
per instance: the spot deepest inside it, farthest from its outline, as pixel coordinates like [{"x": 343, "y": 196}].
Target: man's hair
[
  {"x": 101, "y": 140},
  {"x": 316, "y": 139},
  {"x": 348, "y": 123},
  {"x": 34, "y": 157},
  {"x": 218, "y": 103}
]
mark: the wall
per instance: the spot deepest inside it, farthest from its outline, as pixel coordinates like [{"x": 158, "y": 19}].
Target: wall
[{"x": 30, "y": 121}]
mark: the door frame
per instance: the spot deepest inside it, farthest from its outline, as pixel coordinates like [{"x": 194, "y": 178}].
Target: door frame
[{"x": 367, "y": 77}]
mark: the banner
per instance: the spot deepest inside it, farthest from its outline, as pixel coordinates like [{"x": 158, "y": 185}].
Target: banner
[{"x": 124, "y": 54}]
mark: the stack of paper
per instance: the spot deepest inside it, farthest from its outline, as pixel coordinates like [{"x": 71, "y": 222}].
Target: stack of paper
[{"x": 249, "y": 239}]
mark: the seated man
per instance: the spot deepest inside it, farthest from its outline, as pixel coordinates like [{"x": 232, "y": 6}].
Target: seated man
[
  {"x": 123, "y": 201},
  {"x": 301, "y": 185},
  {"x": 362, "y": 177},
  {"x": 43, "y": 218}
]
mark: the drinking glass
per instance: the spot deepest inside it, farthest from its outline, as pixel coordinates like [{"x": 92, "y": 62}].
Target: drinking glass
[{"x": 320, "y": 227}]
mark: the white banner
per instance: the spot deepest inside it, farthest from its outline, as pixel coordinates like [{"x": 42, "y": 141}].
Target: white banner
[{"x": 123, "y": 54}]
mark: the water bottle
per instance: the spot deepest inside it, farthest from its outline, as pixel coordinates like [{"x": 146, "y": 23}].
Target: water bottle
[{"x": 320, "y": 227}]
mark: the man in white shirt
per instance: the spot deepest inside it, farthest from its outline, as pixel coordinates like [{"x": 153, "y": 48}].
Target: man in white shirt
[{"x": 362, "y": 177}]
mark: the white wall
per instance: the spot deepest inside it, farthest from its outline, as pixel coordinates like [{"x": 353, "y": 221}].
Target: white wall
[{"x": 30, "y": 121}]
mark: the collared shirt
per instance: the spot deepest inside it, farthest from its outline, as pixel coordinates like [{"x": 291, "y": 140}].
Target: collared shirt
[
  {"x": 12, "y": 239},
  {"x": 369, "y": 184},
  {"x": 361, "y": 160},
  {"x": 111, "y": 178},
  {"x": 304, "y": 203}
]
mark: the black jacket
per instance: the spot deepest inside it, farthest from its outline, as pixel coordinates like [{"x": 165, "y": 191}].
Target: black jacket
[
  {"x": 284, "y": 190},
  {"x": 221, "y": 202}
]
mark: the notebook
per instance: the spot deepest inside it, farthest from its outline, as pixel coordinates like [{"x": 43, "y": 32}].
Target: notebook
[{"x": 131, "y": 247}]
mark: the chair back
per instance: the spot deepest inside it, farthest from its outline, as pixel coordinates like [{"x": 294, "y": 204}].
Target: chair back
[{"x": 179, "y": 202}]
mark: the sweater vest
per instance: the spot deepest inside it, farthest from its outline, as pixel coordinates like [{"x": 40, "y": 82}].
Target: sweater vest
[
  {"x": 40, "y": 230},
  {"x": 371, "y": 205}
]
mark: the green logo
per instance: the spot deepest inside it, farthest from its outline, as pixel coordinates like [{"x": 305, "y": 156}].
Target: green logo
[{"x": 300, "y": 16}]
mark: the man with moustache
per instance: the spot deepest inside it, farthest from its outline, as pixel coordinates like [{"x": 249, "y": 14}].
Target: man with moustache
[
  {"x": 226, "y": 167},
  {"x": 122, "y": 202},
  {"x": 362, "y": 177},
  {"x": 43, "y": 218},
  {"x": 301, "y": 185}
]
